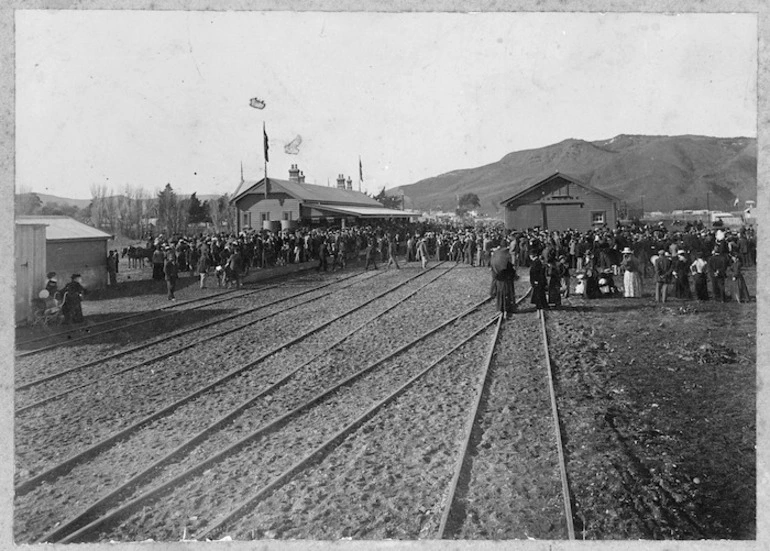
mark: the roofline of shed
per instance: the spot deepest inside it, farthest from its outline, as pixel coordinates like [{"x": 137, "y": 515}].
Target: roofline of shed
[{"x": 566, "y": 176}]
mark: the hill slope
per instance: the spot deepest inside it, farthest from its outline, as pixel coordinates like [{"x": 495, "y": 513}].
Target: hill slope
[{"x": 669, "y": 172}]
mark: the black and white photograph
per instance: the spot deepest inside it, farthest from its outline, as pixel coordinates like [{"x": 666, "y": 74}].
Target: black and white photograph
[{"x": 296, "y": 276}]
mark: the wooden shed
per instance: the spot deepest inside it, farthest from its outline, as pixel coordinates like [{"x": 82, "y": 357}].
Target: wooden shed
[
  {"x": 30, "y": 258},
  {"x": 73, "y": 247},
  {"x": 560, "y": 202}
]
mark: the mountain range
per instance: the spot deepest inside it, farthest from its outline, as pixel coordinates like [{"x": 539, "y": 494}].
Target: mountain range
[{"x": 657, "y": 173}]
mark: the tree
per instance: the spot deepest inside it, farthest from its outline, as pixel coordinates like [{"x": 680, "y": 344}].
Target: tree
[
  {"x": 466, "y": 202},
  {"x": 168, "y": 211},
  {"x": 388, "y": 201},
  {"x": 222, "y": 213},
  {"x": 27, "y": 203},
  {"x": 198, "y": 212}
]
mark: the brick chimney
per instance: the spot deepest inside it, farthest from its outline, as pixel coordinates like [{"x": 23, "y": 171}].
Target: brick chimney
[
  {"x": 350, "y": 183},
  {"x": 294, "y": 174},
  {"x": 301, "y": 177},
  {"x": 340, "y": 182}
]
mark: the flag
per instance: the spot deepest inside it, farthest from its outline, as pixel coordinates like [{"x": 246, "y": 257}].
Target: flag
[
  {"x": 264, "y": 132},
  {"x": 360, "y": 171},
  {"x": 735, "y": 204},
  {"x": 257, "y": 103}
]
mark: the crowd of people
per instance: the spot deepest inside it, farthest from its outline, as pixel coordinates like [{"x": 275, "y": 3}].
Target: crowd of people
[{"x": 690, "y": 262}]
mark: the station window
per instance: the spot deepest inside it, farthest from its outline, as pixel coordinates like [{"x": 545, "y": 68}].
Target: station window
[
  {"x": 598, "y": 217},
  {"x": 246, "y": 219},
  {"x": 287, "y": 215},
  {"x": 265, "y": 216}
]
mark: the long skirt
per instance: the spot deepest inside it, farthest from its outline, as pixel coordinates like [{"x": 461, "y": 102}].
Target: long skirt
[
  {"x": 682, "y": 288},
  {"x": 554, "y": 291},
  {"x": 701, "y": 287},
  {"x": 505, "y": 296},
  {"x": 632, "y": 285},
  {"x": 157, "y": 272},
  {"x": 538, "y": 297},
  {"x": 740, "y": 290}
]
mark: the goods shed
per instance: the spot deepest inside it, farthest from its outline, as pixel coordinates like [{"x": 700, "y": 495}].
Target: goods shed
[
  {"x": 560, "y": 202},
  {"x": 73, "y": 247},
  {"x": 282, "y": 204}
]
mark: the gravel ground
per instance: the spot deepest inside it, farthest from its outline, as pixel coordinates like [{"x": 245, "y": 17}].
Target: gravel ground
[
  {"x": 514, "y": 489},
  {"x": 60, "y": 429},
  {"x": 164, "y": 434},
  {"x": 387, "y": 479},
  {"x": 264, "y": 458},
  {"x": 657, "y": 406}
]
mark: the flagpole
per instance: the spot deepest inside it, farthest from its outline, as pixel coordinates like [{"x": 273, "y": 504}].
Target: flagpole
[{"x": 264, "y": 137}]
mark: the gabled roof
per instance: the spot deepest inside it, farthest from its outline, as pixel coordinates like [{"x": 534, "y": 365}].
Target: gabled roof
[
  {"x": 308, "y": 192},
  {"x": 63, "y": 228},
  {"x": 551, "y": 177}
]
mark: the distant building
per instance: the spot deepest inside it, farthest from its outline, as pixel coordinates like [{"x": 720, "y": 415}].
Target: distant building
[
  {"x": 283, "y": 204},
  {"x": 72, "y": 247},
  {"x": 560, "y": 202}
]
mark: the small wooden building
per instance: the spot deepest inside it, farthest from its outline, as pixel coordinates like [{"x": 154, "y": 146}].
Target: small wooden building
[
  {"x": 29, "y": 254},
  {"x": 73, "y": 247},
  {"x": 560, "y": 202},
  {"x": 282, "y": 204}
]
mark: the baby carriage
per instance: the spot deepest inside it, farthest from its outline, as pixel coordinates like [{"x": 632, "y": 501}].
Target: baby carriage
[
  {"x": 607, "y": 287},
  {"x": 46, "y": 310}
]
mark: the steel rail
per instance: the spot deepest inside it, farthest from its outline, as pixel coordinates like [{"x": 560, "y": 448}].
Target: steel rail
[
  {"x": 159, "y": 340},
  {"x": 557, "y": 430},
  {"x": 73, "y": 523},
  {"x": 151, "y": 310},
  {"x": 67, "y": 464},
  {"x": 337, "y": 438},
  {"x": 264, "y": 429},
  {"x": 450, "y": 513},
  {"x": 122, "y": 318},
  {"x": 217, "y": 300}
]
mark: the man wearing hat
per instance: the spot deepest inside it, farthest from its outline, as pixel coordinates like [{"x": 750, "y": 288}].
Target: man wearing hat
[
  {"x": 632, "y": 277},
  {"x": 717, "y": 267},
  {"x": 73, "y": 295},
  {"x": 662, "y": 275},
  {"x": 538, "y": 280},
  {"x": 680, "y": 268}
]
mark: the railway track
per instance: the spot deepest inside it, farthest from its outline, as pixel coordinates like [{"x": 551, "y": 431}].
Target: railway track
[
  {"x": 274, "y": 426},
  {"x": 254, "y": 450},
  {"x": 358, "y": 328},
  {"x": 142, "y": 416},
  {"x": 37, "y": 401},
  {"x": 110, "y": 323},
  {"x": 502, "y": 416}
]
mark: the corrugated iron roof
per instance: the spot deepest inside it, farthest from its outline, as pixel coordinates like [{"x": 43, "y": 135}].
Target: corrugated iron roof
[
  {"x": 367, "y": 212},
  {"x": 310, "y": 192},
  {"x": 60, "y": 228}
]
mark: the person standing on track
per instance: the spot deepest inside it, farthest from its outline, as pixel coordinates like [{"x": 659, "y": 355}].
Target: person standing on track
[
  {"x": 392, "y": 254},
  {"x": 503, "y": 278},
  {"x": 422, "y": 252},
  {"x": 171, "y": 273},
  {"x": 203, "y": 268},
  {"x": 538, "y": 280},
  {"x": 371, "y": 251}
]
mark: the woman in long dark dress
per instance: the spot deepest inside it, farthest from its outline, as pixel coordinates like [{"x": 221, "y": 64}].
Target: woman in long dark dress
[
  {"x": 503, "y": 277},
  {"x": 73, "y": 295},
  {"x": 554, "y": 283},
  {"x": 735, "y": 271},
  {"x": 538, "y": 280}
]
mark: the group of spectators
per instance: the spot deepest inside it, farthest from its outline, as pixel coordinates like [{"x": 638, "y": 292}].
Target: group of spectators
[{"x": 687, "y": 262}]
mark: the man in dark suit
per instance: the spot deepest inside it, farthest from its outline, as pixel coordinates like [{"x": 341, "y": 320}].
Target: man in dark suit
[
  {"x": 171, "y": 273},
  {"x": 717, "y": 268}
]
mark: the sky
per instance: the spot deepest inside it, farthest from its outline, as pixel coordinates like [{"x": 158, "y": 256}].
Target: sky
[{"x": 146, "y": 98}]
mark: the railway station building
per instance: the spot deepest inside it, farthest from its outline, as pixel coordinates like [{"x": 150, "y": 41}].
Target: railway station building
[
  {"x": 560, "y": 202},
  {"x": 283, "y": 204}
]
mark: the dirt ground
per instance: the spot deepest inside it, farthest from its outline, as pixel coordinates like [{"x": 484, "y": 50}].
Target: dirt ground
[{"x": 658, "y": 408}]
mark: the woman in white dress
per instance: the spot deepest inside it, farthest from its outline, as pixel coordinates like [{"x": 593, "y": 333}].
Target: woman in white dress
[{"x": 632, "y": 280}]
